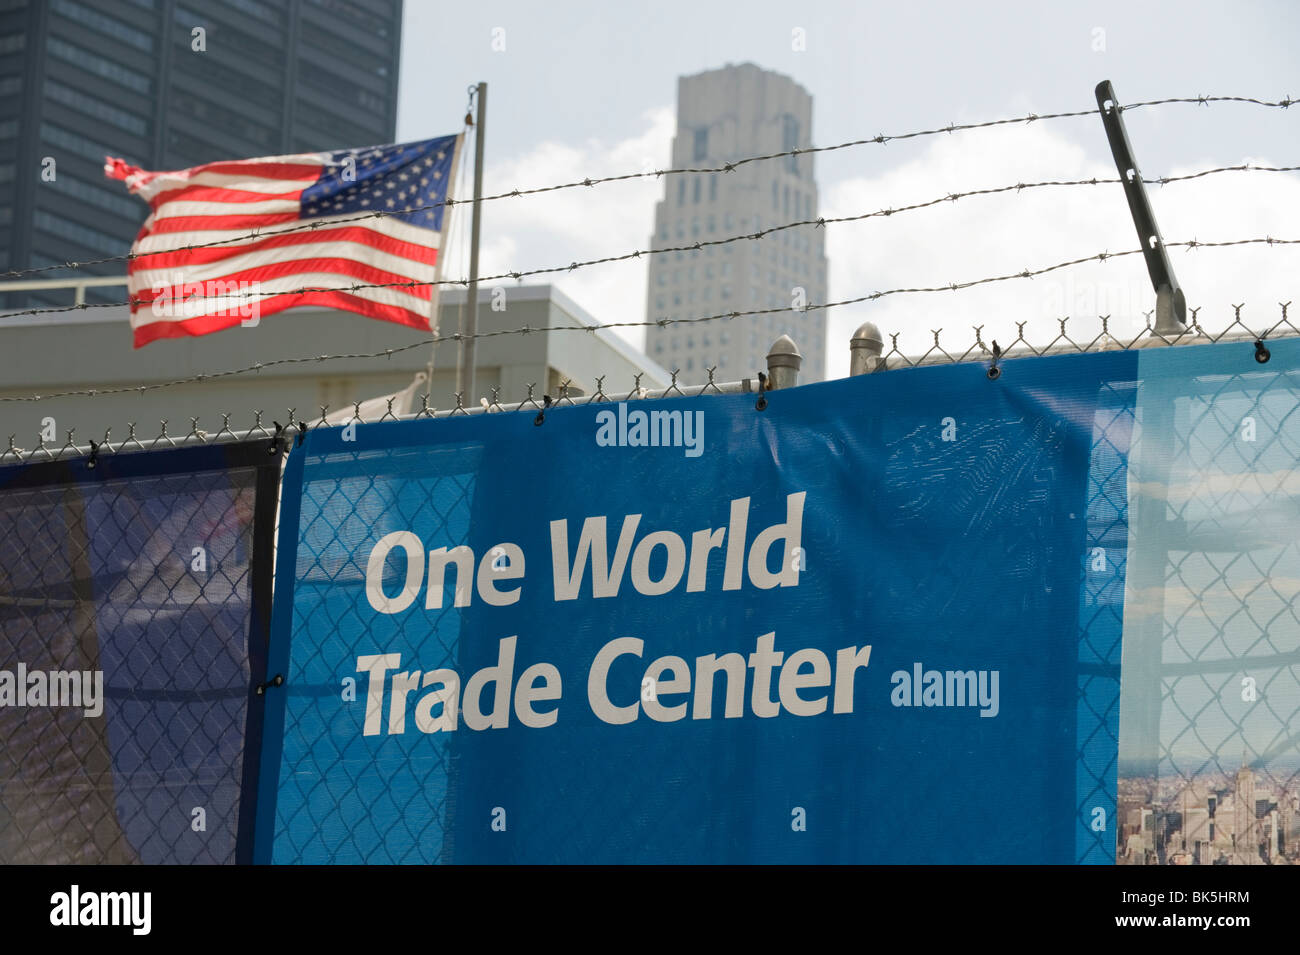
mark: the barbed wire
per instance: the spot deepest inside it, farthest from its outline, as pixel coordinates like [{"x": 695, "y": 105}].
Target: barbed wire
[
  {"x": 696, "y": 246},
  {"x": 1062, "y": 343},
  {"x": 591, "y": 181},
  {"x": 1189, "y": 244}
]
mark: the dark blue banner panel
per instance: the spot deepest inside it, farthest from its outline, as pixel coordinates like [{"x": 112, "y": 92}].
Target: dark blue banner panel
[{"x": 134, "y": 605}]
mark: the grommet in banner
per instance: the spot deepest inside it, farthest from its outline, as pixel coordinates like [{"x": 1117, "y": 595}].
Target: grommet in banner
[
  {"x": 275, "y": 438},
  {"x": 1262, "y": 354},
  {"x": 994, "y": 371},
  {"x": 277, "y": 681},
  {"x": 541, "y": 415},
  {"x": 762, "y": 387},
  {"x": 302, "y": 433},
  {"x": 94, "y": 455}
]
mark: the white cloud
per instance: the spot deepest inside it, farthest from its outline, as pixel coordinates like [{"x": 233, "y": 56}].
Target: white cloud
[
  {"x": 570, "y": 225},
  {"x": 1002, "y": 234}
]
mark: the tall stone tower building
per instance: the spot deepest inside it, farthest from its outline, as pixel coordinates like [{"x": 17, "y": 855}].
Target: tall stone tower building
[{"x": 724, "y": 115}]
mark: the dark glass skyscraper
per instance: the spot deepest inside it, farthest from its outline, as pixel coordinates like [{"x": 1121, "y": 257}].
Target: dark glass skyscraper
[{"x": 165, "y": 85}]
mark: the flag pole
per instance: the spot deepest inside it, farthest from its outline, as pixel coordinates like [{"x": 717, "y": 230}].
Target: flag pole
[
  {"x": 434, "y": 299},
  {"x": 465, "y": 384}
]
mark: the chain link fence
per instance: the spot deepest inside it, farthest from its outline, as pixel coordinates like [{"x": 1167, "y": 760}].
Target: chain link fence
[
  {"x": 1202, "y": 523},
  {"x": 1209, "y": 763},
  {"x": 408, "y": 804}
]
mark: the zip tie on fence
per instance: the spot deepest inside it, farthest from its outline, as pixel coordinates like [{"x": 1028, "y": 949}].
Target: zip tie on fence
[
  {"x": 994, "y": 371},
  {"x": 541, "y": 415},
  {"x": 278, "y": 680},
  {"x": 695, "y": 246},
  {"x": 725, "y": 167}
]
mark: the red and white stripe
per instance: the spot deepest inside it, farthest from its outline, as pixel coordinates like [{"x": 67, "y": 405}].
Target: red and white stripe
[{"x": 252, "y": 203}]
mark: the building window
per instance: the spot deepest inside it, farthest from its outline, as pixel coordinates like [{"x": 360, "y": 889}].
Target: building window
[
  {"x": 681, "y": 192},
  {"x": 695, "y": 190},
  {"x": 96, "y": 108},
  {"x": 774, "y": 188},
  {"x": 710, "y": 224},
  {"x": 122, "y": 205},
  {"x": 790, "y": 140},
  {"x": 785, "y": 203},
  {"x": 99, "y": 23},
  {"x": 98, "y": 65},
  {"x": 701, "y": 143},
  {"x": 75, "y": 232},
  {"x": 713, "y": 187}
]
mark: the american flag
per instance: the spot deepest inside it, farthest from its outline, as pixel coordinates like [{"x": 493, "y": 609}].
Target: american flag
[{"x": 299, "y": 233}]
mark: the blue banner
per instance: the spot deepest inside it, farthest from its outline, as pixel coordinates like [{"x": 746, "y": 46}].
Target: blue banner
[{"x": 878, "y": 620}]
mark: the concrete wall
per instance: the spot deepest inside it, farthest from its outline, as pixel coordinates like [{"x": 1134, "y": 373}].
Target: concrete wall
[{"x": 47, "y": 354}]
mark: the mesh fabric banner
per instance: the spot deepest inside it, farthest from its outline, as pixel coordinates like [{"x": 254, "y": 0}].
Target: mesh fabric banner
[
  {"x": 134, "y": 610},
  {"x": 878, "y": 619}
]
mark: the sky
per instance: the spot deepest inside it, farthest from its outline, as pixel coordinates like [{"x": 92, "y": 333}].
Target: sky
[{"x": 588, "y": 89}]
